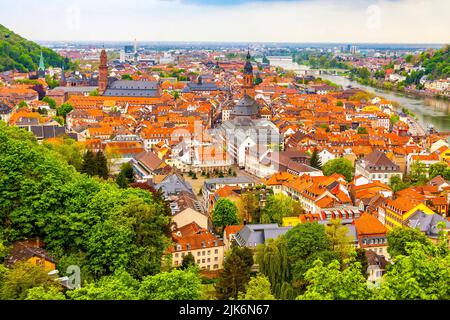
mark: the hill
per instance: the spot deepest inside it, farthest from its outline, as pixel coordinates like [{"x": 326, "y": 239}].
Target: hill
[{"x": 18, "y": 53}]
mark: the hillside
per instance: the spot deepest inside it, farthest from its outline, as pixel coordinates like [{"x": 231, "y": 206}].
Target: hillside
[
  {"x": 23, "y": 55},
  {"x": 437, "y": 65}
]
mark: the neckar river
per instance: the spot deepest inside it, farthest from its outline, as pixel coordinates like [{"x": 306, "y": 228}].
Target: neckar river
[{"x": 428, "y": 110}]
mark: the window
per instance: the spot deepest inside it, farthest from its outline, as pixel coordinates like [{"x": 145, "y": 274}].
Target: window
[
  {"x": 216, "y": 259},
  {"x": 203, "y": 260},
  {"x": 216, "y": 251},
  {"x": 203, "y": 253},
  {"x": 198, "y": 254}
]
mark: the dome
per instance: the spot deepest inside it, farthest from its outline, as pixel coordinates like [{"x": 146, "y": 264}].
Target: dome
[{"x": 246, "y": 107}]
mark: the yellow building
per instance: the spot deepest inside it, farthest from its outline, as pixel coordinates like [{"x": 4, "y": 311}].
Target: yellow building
[
  {"x": 399, "y": 210},
  {"x": 30, "y": 251},
  {"x": 444, "y": 153}
]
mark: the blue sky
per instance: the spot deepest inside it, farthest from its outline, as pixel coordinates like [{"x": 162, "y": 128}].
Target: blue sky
[{"x": 399, "y": 21}]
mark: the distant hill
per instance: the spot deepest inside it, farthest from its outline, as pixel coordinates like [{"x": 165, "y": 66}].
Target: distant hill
[
  {"x": 437, "y": 65},
  {"x": 23, "y": 55}
]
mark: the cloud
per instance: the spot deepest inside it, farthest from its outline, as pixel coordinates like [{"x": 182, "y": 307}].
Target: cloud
[{"x": 401, "y": 21}]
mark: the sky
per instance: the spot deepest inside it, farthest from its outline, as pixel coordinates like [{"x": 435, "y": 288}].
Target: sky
[{"x": 297, "y": 21}]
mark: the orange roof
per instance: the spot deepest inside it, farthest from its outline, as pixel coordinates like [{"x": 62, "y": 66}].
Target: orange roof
[{"x": 368, "y": 224}]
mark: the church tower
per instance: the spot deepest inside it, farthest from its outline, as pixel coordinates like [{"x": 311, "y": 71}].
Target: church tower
[
  {"x": 41, "y": 68},
  {"x": 103, "y": 73},
  {"x": 248, "y": 77}
]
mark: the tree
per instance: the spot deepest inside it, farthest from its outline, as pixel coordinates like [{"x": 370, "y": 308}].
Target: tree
[
  {"x": 126, "y": 176},
  {"x": 279, "y": 206},
  {"x": 89, "y": 164},
  {"x": 362, "y": 259},
  {"x": 258, "y": 289},
  {"x": 272, "y": 258},
  {"x": 235, "y": 274},
  {"x": 399, "y": 239},
  {"x": 340, "y": 240},
  {"x": 305, "y": 244},
  {"x": 70, "y": 150},
  {"x": 397, "y": 184},
  {"x": 362, "y": 130},
  {"x": 341, "y": 166},
  {"x": 42, "y": 293},
  {"x": 315, "y": 160},
  {"x": 224, "y": 213},
  {"x": 339, "y": 103},
  {"x": 328, "y": 282},
  {"x": 20, "y": 278},
  {"x": 418, "y": 172},
  {"x": 188, "y": 261},
  {"x": 22, "y": 104},
  {"x": 118, "y": 286},
  {"x": 126, "y": 77},
  {"x": 248, "y": 204},
  {"x": 51, "y": 102},
  {"x": 439, "y": 169},
  {"x": 64, "y": 110},
  {"x": 101, "y": 165},
  {"x": 174, "y": 285},
  {"x": 422, "y": 273},
  {"x": 94, "y": 93}
]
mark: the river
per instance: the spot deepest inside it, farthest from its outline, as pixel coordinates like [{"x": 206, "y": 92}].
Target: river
[{"x": 428, "y": 110}]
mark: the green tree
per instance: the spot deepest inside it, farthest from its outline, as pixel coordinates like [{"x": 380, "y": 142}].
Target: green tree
[
  {"x": 101, "y": 165},
  {"x": 362, "y": 259},
  {"x": 174, "y": 285},
  {"x": 423, "y": 273},
  {"x": 340, "y": 239},
  {"x": 51, "y": 102},
  {"x": 64, "y": 110},
  {"x": 307, "y": 243},
  {"x": 126, "y": 77},
  {"x": 272, "y": 258},
  {"x": 94, "y": 93},
  {"x": 126, "y": 176},
  {"x": 258, "y": 289},
  {"x": 397, "y": 184},
  {"x": 418, "y": 172},
  {"x": 315, "y": 160},
  {"x": 225, "y": 213},
  {"x": 328, "y": 282},
  {"x": 341, "y": 166},
  {"x": 89, "y": 164},
  {"x": 362, "y": 130},
  {"x": 42, "y": 293},
  {"x": 235, "y": 274},
  {"x": 188, "y": 261},
  {"x": 439, "y": 169},
  {"x": 279, "y": 206},
  {"x": 20, "y": 278},
  {"x": 22, "y": 104},
  {"x": 118, "y": 286},
  {"x": 70, "y": 150},
  {"x": 400, "y": 238},
  {"x": 248, "y": 205}
]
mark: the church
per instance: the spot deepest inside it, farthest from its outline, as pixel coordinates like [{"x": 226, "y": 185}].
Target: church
[
  {"x": 124, "y": 88},
  {"x": 246, "y": 131}
]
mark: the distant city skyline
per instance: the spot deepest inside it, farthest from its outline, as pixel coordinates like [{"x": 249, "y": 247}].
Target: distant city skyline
[{"x": 290, "y": 21}]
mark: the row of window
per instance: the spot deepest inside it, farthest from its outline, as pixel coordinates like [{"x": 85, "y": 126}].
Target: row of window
[
  {"x": 374, "y": 241},
  {"x": 203, "y": 253}
]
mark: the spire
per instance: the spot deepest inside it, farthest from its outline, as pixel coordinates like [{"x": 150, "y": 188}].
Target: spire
[{"x": 41, "y": 63}]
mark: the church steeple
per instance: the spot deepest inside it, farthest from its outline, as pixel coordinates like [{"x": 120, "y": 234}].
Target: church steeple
[
  {"x": 63, "y": 81},
  {"x": 103, "y": 73},
  {"x": 248, "y": 76},
  {"x": 41, "y": 68}
]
